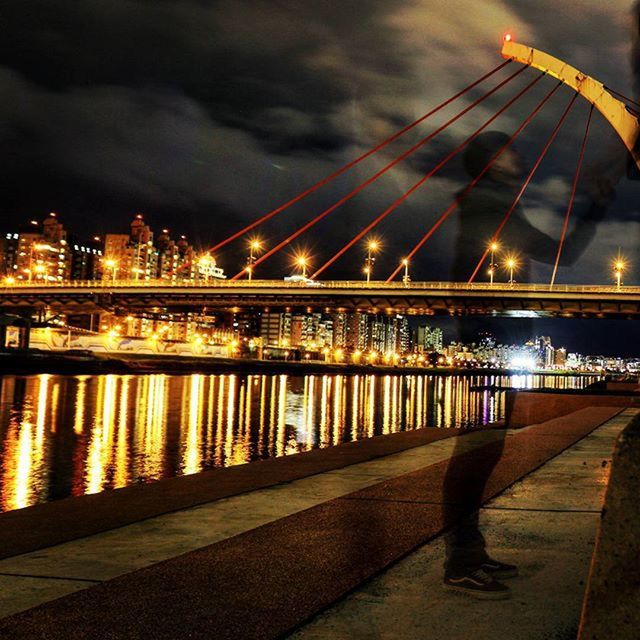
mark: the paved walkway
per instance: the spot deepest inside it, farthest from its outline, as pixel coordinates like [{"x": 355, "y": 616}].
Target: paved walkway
[
  {"x": 33, "y": 578},
  {"x": 273, "y": 523},
  {"x": 546, "y": 524}
]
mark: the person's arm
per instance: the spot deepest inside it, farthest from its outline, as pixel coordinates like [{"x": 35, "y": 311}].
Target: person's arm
[{"x": 539, "y": 246}]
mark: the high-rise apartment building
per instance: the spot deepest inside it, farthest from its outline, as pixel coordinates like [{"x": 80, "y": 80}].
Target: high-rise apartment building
[
  {"x": 428, "y": 339},
  {"x": 275, "y": 329},
  {"x": 130, "y": 256},
  {"x": 39, "y": 254}
]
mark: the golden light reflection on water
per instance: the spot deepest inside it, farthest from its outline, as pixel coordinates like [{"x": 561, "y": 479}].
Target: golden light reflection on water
[{"x": 73, "y": 435}]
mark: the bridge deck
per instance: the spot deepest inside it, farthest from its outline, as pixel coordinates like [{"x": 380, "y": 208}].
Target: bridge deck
[{"x": 381, "y": 297}]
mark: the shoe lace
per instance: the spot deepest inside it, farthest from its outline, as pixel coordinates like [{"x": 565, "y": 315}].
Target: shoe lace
[{"x": 481, "y": 575}]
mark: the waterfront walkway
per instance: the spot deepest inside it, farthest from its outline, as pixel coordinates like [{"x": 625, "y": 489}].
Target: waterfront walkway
[{"x": 231, "y": 562}]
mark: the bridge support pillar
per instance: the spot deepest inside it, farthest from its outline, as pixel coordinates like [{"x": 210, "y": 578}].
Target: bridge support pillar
[{"x": 24, "y": 336}]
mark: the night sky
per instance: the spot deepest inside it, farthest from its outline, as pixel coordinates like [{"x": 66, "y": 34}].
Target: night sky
[{"x": 204, "y": 115}]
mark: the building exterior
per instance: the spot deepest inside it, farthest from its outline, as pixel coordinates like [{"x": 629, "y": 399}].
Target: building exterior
[
  {"x": 275, "y": 329},
  {"x": 131, "y": 256},
  {"x": 8, "y": 252},
  {"x": 135, "y": 256},
  {"x": 428, "y": 339},
  {"x": 86, "y": 261},
  {"x": 357, "y": 332},
  {"x": 39, "y": 254}
]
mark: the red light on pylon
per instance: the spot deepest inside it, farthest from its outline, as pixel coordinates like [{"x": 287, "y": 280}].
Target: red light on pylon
[{"x": 508, "y": 37}]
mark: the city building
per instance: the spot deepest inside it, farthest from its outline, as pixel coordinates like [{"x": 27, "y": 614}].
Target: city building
[
  {"x": 130, "y": 256},
  {"x": 275, "y": 329},
  {"x": 40, "y": 253},
  {"x": 428, "y": 339},
  {"x": 86, "y": 260}
]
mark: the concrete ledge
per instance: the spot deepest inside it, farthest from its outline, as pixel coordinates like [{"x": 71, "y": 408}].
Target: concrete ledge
[
  {"x": 612, "y": 601},
  {"x": 524, "y": 408}
]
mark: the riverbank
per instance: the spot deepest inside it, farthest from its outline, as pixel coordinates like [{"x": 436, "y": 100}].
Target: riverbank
[
  {"x": 327, "y": 532},
  {"x": 34, "y": 361}
]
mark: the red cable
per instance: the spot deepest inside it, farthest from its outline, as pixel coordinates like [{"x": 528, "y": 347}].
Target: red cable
[
  {"x": 552, "y": 137},
  {"x": 621, "y": 95},
  {"x": 424, "y": 179},
  {"x": 379, "y": 173},
  {"x": 573, "y": 196},
  {"x": 477, "y": 179},
  {"x": 354, "y": 162}
]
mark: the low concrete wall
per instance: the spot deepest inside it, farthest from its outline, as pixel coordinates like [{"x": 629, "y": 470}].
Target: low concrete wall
[
  {"x": 533, "y": 407},
  {"x": 622, "y": 386},
  {"x": 612, "y": 600}
]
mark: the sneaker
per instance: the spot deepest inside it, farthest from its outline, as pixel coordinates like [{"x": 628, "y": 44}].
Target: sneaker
[
  {"x": 500, "y": 570},
  {"x": 478, "y": 584}
]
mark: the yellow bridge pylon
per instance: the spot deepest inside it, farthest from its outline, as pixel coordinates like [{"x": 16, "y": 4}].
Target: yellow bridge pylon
[{"x": 616, "y": 113}]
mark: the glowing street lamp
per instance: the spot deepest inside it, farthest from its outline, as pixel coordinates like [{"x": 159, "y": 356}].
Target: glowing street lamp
[
  {"x": 112, "y": 264},
  {"x": 493, "y": 248},
  {"x": 41, "y": 270},
  {"x": 254, "y": 247},
  {"x": 619, "y": 266},
  {"x": 302, "y": 262},
  {"x": 204, "y": 266},
  {"x": 511, "y": 264},
  {"x": 372, "y": 247},
  {"x": 405, "y": 278}
]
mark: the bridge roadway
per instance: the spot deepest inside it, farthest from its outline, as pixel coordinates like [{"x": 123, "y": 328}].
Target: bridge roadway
[{"x": 416, "y": 298}]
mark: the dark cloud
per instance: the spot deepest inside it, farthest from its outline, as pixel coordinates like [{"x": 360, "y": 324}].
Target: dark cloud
[{"x": 209, "y": 113}]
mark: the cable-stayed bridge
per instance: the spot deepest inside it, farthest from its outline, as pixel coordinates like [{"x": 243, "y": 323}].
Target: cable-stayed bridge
[{"x": 395, "y": 292}]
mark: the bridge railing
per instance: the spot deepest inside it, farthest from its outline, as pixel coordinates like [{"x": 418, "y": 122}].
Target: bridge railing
[{"x": 112, "y": 285}]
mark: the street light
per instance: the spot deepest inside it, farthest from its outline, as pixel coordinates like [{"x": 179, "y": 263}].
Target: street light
[
  {"x": 41, "y": 270},
  {"x": 493, "y": 248},
  {"x": 113, "y": 265},
  {"x": 372, "y": 247},
  {"x": 302, "y": 262},
  {"x": 619, "y": 265},
  {"x": 405, "y": 278},
  {"x": 254, "y": 247},
  {"x": 511, "y": 264},
  {"x": 204, "y": 264}
]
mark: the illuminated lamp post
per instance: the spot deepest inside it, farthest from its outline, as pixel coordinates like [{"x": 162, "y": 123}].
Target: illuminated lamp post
[
  {"x": 372, "y": 247},
  {"x": 493, "y": 248},
  {"x": 254, "y": 247},
  {"x": 302, "y": 262},
  {"x": 112, "y": 264},
  {"x": 619, "y": 266},
  {"x": 511, "y": 264}
]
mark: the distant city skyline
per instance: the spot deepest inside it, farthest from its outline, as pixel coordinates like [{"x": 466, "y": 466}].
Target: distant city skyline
[
  {"x": 42, "y": 250},
  {"x": 606, "y": 337}
]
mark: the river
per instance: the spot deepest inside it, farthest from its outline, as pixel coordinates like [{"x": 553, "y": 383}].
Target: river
[{"x": 66, "y": 436}]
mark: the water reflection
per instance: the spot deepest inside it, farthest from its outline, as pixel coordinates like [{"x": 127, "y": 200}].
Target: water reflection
[{"x": 74, "y": 435}]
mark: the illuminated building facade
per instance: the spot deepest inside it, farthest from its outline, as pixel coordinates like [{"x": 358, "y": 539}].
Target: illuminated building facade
[
  {"x": 39, "y": 254},
  {"x": 275, "y": 329},
  {"x": 428, "y": 339}
]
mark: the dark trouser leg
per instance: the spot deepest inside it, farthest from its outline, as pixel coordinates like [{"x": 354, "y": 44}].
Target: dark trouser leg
[{"x": 464, "y": 486}]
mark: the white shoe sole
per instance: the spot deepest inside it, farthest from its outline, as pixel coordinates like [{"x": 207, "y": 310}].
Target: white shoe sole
[{"x": 476, "y": 593}]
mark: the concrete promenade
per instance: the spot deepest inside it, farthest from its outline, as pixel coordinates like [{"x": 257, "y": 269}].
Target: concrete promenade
[{"x": 260, "y": 561}]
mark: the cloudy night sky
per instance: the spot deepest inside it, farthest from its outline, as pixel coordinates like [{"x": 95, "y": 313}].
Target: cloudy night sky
[{"x": 203, "y": 115}]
